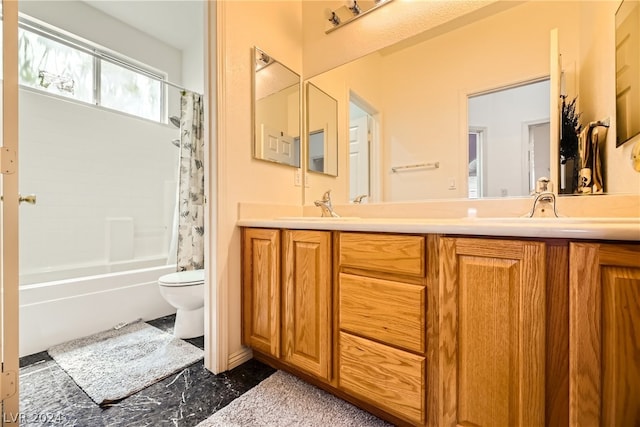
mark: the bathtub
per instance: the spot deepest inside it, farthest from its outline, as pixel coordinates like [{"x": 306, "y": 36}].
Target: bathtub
[{"x": 57, "y": 306}]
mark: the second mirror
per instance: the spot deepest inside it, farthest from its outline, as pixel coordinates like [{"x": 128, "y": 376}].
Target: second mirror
[{"x": 322, "y": 132}]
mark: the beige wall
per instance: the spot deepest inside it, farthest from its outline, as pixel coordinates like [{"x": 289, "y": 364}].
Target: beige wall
[
  {"x": 275, "y": 27},
  {"x": 323, "y": 52},
  {"x": 597, "y": 91}
]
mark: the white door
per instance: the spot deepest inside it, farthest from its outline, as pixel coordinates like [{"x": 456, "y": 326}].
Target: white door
[
  {"x": 539, "y": 154},
  {"x": 9, "y": 217},
  {"x": 276, "y": 146},
  {"x": 358, "y": 157}
]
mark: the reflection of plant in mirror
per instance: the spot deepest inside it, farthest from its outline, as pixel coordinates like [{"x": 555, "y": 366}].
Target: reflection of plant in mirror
[{"x": 570, "y": 130}]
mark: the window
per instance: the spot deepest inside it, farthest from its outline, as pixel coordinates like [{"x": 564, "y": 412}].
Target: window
[
  {"x": 53, "y": 67},
  {"x": 126, "y": 90},
  {"x": 62, "y": 65}
]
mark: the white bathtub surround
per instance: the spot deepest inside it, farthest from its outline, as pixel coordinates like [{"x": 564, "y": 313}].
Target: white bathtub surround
[
  {"x": 191, "y": 196},
  {"x": 55, "y": 312},
  {"x": 119, "y": 240},
  {"x": 107, "y": 165}
]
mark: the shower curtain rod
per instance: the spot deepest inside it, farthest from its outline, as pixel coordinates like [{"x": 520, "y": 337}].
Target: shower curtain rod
[{"x": 44, "y": 31}]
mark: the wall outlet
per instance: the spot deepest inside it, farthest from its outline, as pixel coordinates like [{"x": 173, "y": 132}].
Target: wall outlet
[
  {"x": 504, "y": 192},
  {"x": 452, "y": 183},
  {"x": 297, "y": 177}
]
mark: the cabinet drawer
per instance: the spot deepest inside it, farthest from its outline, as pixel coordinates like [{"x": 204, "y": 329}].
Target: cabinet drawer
[
  {"x": 391, "y": 379},
  {"x": 384, "y": 310},
  {"x": 400, "y": 254}
]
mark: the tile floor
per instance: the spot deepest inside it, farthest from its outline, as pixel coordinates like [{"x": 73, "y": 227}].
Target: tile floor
[{"x": 49, "y": 397}]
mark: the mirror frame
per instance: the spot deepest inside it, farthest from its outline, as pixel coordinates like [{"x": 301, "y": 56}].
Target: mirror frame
[
  {"x": 270, "y": 60},
  {"x": 330, "y": 166}
]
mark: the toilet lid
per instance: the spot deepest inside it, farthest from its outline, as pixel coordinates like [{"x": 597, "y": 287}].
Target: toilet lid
[{"x": 183, "y": 278}]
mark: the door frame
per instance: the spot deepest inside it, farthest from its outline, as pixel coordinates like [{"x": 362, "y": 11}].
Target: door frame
[
  {"x": 375, "y": 149},
  {"x": 526, "y": 143},
  {"x": 9, "y": 249}
]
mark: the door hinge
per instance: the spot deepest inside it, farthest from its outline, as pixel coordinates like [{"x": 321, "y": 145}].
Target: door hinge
[
  {"x": 8, "y": 161},
  {"x": 7, "y": 384}
]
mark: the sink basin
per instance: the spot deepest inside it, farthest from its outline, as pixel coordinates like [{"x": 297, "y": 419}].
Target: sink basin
[
  {"x": 561, "y": 220},
  {"x": 318, "y": 218}
]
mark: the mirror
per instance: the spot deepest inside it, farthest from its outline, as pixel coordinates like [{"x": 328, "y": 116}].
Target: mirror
[
  {"x": 418, "y": 92},
  {"x": 276, "y": 111},
  {"x": 322, "y": 131},
  {"x": 627, "y": 71}
]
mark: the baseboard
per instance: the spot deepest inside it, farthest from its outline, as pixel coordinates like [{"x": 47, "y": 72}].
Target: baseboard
[{"x": 239, "y": 357}]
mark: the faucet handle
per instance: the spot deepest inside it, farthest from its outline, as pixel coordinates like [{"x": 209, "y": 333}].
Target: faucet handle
[
  {"x": 543, "y": 184},
  {"x": 358, "y": 199}
]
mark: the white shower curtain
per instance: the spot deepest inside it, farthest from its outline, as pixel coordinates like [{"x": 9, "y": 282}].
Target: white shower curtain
[{"x": 191, "y": 186}]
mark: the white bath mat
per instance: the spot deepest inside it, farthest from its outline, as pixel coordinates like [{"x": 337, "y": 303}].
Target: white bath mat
[
  {"x": 114, "y": 364},
  {"x": 284, "y": 400}
]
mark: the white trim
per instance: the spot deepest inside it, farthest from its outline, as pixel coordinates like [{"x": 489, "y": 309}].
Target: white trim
[
  {"x": 9, "y": 218},
  {"x": 239, "y": 357},
  {"x": 217, "y": 347},
  {"x": 555, "y": 71},
  {"x": 481, "y": 132}
]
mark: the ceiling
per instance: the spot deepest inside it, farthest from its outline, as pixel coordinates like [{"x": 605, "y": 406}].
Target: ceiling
[{"x": 174, "y": 22}]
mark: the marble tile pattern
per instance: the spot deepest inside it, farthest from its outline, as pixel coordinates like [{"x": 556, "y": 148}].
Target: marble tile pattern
[{"x": 49, "y": 397}]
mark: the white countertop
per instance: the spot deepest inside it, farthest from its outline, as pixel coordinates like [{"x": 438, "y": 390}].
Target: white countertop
[{"x": 567, "y": 228}]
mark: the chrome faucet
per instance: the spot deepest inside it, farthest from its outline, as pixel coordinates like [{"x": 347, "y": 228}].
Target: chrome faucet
[
  {"x": 544, "y": 204},
  {"x": 325, "y": 205},
  {"x": 358, "y": 199}
]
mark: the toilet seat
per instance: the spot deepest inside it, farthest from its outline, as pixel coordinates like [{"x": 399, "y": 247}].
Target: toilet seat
[{"x": 182, "y": 278}]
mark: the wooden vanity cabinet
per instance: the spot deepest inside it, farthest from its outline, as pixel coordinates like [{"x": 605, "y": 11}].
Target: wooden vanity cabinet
[
  {"x": 492, "y": 332},
  {"x": 306, "y": 301},
  {"x": 446, "y": 331},
  {"x": 286, "y": 297},
  {"x": 382, "y": 311},
  {"x": 261, "y": 290},
  {"x": 604, "y": 334}
]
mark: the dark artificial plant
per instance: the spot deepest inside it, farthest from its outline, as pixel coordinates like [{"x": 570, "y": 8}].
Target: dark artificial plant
[{"x": 570, "y": 129}]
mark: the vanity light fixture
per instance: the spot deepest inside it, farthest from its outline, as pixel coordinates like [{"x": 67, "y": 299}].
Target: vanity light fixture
[
  {"x": 352, "y": 10},
  {"x": 262, "y": 59},
  {"x": 352, "y": 5},
  {"x": 332, "y": 17}
]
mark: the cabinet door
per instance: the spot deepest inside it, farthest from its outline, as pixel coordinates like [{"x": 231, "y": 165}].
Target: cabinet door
[
  {"x": 604, "y": 359},
  {"x": 492, "y": 332},
  {"x": 261, "y": 290},
  {"x": 307, "y": 300}
]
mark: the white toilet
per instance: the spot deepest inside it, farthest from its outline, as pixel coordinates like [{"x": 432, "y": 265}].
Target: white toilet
[{"x": 185, "y": 291}]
